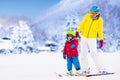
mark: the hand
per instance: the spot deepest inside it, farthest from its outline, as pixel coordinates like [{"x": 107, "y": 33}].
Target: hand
[
  {"x": 77, "y": 34},
  {"x": 101, "y": 43},
  {"x": 64, "y": 56}
]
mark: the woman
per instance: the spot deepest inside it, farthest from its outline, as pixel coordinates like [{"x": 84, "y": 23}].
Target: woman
[{"x": 90, "y": 29}]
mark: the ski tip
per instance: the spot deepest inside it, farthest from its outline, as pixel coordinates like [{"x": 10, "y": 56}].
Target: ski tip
[{"x": 60, "y": 75}]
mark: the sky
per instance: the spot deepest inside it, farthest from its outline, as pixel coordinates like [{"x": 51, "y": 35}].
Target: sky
[{"x": 31, "y": 8}]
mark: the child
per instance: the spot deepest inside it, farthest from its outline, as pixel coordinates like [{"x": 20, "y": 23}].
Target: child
[{"x": 71, "y": 51}]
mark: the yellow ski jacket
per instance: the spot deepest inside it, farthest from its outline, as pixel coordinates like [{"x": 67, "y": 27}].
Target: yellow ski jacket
[{"x": 90, "y": 28}]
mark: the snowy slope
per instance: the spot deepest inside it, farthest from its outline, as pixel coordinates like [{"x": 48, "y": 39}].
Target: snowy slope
[{"x": 43, "y": 65}]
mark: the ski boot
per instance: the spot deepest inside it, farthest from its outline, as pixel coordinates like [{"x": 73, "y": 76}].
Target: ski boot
[
  {"x": 77, "y": 72},
  {"x": 86, "y": 71},
  {"x": 103, "y": 71},
  {"x": 69, "y": 72}
]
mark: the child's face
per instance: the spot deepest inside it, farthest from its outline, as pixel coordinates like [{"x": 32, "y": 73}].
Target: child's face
[{"x": 69, "y": 37}]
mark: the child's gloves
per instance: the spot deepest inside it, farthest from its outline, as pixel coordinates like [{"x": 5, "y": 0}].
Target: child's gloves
[
  {"x": 64, "y": 56},
  {"x": 101, "y": 43},
  {"x": 77, "y": 34},
  {"x": 72, "y": 46}
]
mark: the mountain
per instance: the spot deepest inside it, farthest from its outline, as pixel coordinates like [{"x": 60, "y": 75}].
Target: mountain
[
  {"x": 7, "y": 20},
  {"x": 53, "y": 22}
]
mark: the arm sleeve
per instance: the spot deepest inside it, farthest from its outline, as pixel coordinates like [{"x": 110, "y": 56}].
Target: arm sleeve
[
  {"x": 81, "y": 26},
  {"x": 100, "y": 29},
  {"x": 64, "y": 49}
]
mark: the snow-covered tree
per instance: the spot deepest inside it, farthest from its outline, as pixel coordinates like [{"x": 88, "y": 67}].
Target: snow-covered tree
[
  {"x": 72, "y": 22},
  {"x": 22, "y": 37}
]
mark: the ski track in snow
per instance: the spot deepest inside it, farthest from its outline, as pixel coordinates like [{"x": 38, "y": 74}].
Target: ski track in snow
[{"x": 43, "y": 66}]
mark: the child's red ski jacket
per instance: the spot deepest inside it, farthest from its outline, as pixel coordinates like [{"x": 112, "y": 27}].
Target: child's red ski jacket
[{"x": 71, "y": 48}]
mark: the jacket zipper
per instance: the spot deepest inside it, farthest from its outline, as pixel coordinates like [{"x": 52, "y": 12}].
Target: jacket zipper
[{"x": 90, "y": 28}]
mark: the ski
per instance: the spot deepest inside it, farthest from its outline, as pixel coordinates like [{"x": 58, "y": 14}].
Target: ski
[
  {"x": 96, "y": 74},
  {"x": 84, "y": 75},
  {"x": 61, "y": 75}
]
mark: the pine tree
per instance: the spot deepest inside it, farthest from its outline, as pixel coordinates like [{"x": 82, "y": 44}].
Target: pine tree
[
  {"x": 72, "y": 22},
  {"x": 22, "y": 38}
]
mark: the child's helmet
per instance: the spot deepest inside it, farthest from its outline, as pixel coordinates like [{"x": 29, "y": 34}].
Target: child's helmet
[
  {"x": 95, "y": 8},
  {"x": 71, "y": 32}
]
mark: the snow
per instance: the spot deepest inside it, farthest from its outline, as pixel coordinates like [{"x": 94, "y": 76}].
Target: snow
[
  {"x": 51, "y": 42},
  {"x": 6, "y": 44},
  {"x": 1, "y": 25},
  {"x": 43, "y": 48},
  {"x": 43, "y": 66}
]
